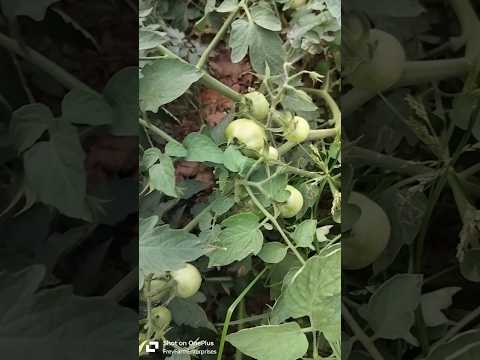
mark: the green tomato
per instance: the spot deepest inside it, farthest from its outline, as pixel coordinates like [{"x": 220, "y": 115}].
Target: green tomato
[
  {"x": 385, "y": 67},
  {"x": 369, "y": 235},
  {"x": 293, "y": 204},
  {"x": 247, "y": 132},
  {"x": 188, "y": 281},
  {"x": 161, "y": 317},
  {"x": 295, "y": 4},
  {"x": 300, "y": 130},
  {"x": 259, "y": 106}
]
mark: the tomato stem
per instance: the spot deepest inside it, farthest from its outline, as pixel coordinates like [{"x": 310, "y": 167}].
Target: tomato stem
[
  {"x": 360, "y": 334},
  {"x": 221, "y": 32},
  {"x": 232, "y": 308},
  {"x": 275, "y": 223},
  {"x": 37, "y": 59},
  {"x": 206, "y": 79}
]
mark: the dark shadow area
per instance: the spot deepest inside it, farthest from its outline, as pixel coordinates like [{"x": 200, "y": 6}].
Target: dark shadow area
[{"x": 68, "y": 179}]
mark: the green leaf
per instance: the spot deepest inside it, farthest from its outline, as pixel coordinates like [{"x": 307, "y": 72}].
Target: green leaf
[
  {"x": 240, "y": 38},
  {"x": 188, "y": 312},
  {"x": 162, "y": 176},
  {"x": 86, "y": 108},
  {"x": 298, "y": 100},
  {"x": 28, "y": 124},
  {"x": 165, "y": 80},
  {"x": 34, "y": 9},
  {"x": 55, "y": 171},
  {"x": 391, "y": 309},
  {"x": 150, "y": 157},
  {"x": 266, "y": 48},
  {"x": 305, "y": 233},
  {"x": 434, "y": 302},
  {"x": 227, "y": 6},
  {"x": 202, "y": 148},
  {"x": 234, "y": 160},
  {"x": 462, "y": 111},
  {"x": 273, "y": 252},
  {"x": 175, "y": 149},
  {"x": 264, "y": 16},
  {"x": 124, "y": 101},
  {"x": 286, "y": 342},
  {"x": 150, "y": 39},
  {"x": 314, "y": 292},
  {"x": 164, "y": 249},
  {"x": 54, "y": 318},
  {"x": 239, "y": 239}
]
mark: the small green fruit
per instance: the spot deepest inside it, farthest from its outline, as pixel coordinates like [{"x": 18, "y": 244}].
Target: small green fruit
[{"x": 293, "y": 204}]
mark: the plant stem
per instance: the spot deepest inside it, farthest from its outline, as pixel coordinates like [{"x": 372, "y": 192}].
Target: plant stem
[
  {"x": 51, "y": 68},
  {"x": 123, "y": 287},
  {"x": 230, "y": 311},
  {"x": 275, "y": 223},
  {"x": 314, "y": 135},
  {"x": 191, "y": 225},
  {"x": 386, "y": 162},
  {"x": 470, "y": 25},
  {"x": 424, "y": 71},
  {"x": 158, "y": 131},
  {"x": 360, "y": 334},
  {"x": 331, "y": 103},
  {"x": 355, "y": 98},
  {"x": 208, "y": 80},
  {"x": 221, "y": 32},
  {"x": 461, "y": 324}
]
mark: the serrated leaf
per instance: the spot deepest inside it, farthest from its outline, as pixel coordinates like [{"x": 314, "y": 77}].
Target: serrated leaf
[
  {"x": 240, "y": 38},
  {"x": 314, "y": 292},
  {"x": 162, "y": 176},
  {"x": 165, "y": 80},
  {"x": 202, "y": 148},
  {"x": 434, "y": 302},
  {"x": 266, "y": 48},
  {"x": 164, "y": 249},
  {"x": 264, "y": 16},
  {"x": 55, "y": 171},
  {"x": 391, "y": 309},
  {"x": 240, "y": 238},
  {"x": 305, "y": 233}
]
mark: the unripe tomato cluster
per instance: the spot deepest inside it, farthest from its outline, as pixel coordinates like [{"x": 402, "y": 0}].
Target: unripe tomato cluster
[{"x": 250, "y": 132}]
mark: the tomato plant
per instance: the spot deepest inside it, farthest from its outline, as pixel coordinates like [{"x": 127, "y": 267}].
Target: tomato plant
[{"x": 240, "y": 172}]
